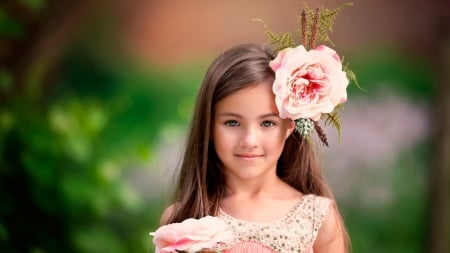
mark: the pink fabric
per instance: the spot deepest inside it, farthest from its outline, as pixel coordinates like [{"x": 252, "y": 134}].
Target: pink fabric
[
  {"x": 249, "y": 247},
  {"x": 309, "y": 250},
  {"x": 255, "y": 247}
]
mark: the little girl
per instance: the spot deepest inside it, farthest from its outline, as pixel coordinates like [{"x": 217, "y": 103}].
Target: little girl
[{"x": 247, "y": 160}]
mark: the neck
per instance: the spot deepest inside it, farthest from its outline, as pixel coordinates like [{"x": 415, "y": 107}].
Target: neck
[{"x": 254, "y": 188}]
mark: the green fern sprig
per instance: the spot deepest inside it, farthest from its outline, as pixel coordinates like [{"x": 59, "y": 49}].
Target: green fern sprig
[
  {"x": 278, "y": 42},
  {"x": 334, "y": 119},
  {"x": 351, "y": 76},
  {"x": 326, "y": 21}
]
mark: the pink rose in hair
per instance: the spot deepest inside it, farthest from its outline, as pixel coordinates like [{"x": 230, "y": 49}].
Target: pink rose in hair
[
  {"x": 191, "y": 235},
  {"x": 308, "y": 83}
]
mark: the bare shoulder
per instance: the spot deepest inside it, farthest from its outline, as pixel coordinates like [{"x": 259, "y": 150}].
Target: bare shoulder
[
  {"x": 167, "y": 214},
  {"x": 331, "y": 236}
]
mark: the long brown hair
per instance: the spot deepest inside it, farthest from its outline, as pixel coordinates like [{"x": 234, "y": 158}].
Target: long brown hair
[{"x": 201, "y": 182}]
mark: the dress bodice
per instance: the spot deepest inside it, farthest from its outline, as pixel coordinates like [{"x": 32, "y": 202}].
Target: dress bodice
[{"x": 296, "y": 232}]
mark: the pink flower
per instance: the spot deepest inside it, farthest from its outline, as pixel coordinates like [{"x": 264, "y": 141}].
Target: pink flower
[
  {"x": 308, "y": 83},
  {"x": 191, "y": 235}
]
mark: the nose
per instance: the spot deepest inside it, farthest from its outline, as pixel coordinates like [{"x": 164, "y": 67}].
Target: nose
[{"x": 249, "y": 137}]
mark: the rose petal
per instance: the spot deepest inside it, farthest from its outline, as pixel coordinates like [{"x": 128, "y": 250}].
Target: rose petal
[
  {"x": 308, "y": 83},
  {"x": 191, "y": 235}
]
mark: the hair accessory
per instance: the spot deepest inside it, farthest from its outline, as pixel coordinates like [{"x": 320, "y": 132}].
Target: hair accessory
[{"x": 310, "y": 81}]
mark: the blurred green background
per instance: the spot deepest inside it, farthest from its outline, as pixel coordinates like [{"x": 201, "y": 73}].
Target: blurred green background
[{"x": 95, "y": 98}]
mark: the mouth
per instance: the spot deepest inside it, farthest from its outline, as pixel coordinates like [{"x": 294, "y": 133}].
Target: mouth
[{"x": 248, "y": 156}]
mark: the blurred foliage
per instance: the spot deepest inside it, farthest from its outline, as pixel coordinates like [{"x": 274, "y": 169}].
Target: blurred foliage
[
  {"x": 391, "y": 69},
  {"x": 400, "y": 224},
  {"x": 66, "y": 150},
  {"x": 64, "y": 158},
  {"x": 397, "y": 221},
  {"x": 67, "y": 146}
]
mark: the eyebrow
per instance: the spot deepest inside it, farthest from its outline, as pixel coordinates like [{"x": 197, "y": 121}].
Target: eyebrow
[{"x": 230, "y": 114}]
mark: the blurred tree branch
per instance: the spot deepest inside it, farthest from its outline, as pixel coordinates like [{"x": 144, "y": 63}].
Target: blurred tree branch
[
  {"x": 440, "y": 175},
  {"x": 30, "y": 55}
]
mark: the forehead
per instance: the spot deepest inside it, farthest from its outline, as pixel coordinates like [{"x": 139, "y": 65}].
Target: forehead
[{"x": 255, "y": 99}]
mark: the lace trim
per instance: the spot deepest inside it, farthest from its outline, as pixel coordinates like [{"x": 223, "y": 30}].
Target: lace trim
[{"x": 295, "y": 232}]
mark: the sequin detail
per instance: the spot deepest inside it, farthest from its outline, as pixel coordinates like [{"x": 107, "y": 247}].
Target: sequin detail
[{"x": 296, "y": 232}]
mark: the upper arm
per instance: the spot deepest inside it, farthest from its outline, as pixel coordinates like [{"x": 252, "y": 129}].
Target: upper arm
[{"x": 332, "y": 235}]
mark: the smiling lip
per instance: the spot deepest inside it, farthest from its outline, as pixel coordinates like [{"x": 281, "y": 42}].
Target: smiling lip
[{"x": 248, "y": 156}]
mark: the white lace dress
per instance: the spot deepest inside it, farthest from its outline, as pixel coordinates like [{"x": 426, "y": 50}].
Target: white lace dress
[{"x": 296, "y": 232}]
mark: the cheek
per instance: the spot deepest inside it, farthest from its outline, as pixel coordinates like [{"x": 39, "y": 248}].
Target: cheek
[
  {"x": 221, "y": 139},
  {"x": 279, "y": 138},
  {"x": 275, "y": 140}
]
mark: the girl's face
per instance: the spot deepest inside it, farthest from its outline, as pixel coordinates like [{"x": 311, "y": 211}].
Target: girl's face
[{"x": 248, "y": 134}]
